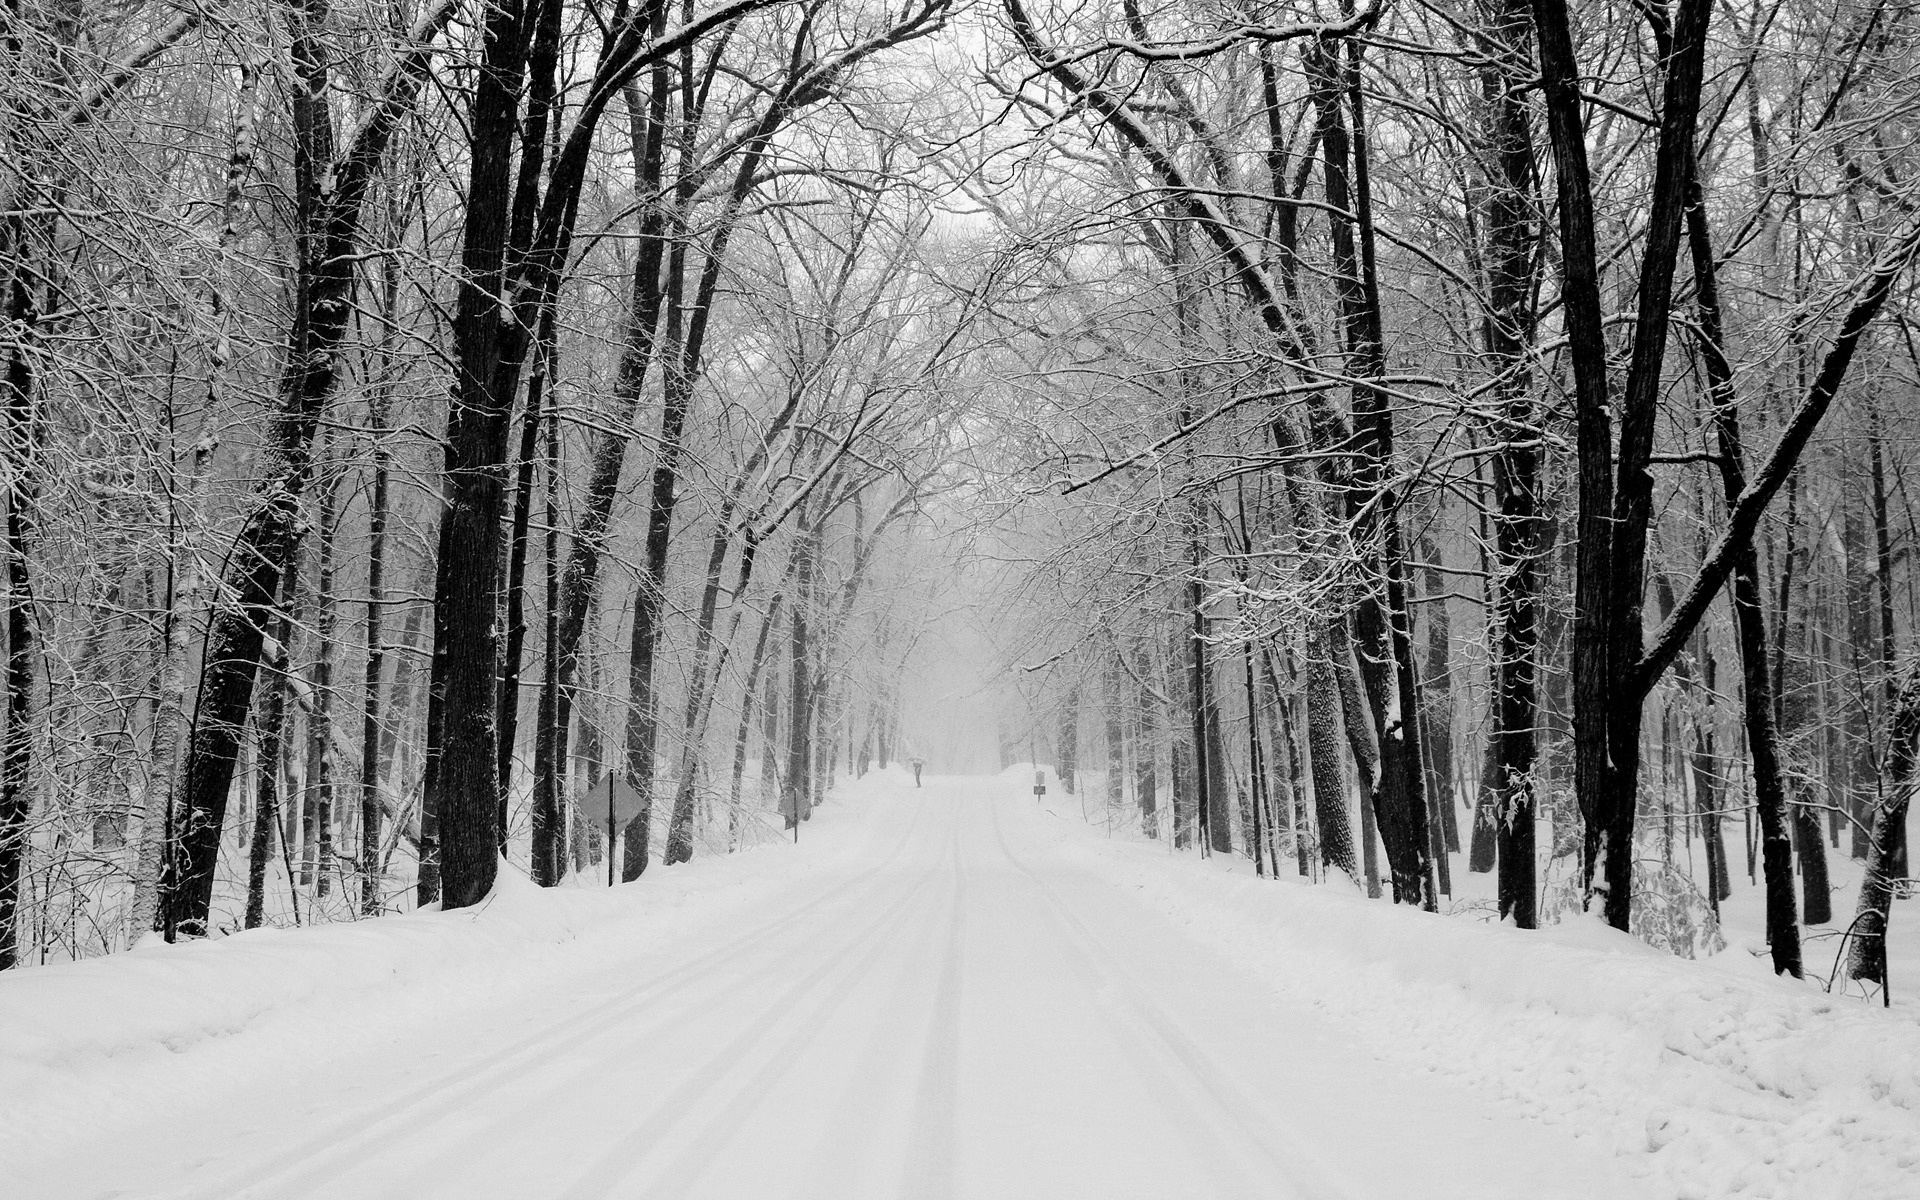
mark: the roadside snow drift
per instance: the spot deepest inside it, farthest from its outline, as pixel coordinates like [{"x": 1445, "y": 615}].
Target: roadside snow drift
[{"x": 1712, "y": 1076}]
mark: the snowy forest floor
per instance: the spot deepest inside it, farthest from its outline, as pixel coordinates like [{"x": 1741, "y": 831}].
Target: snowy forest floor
[{"x": 951, "y": 991}]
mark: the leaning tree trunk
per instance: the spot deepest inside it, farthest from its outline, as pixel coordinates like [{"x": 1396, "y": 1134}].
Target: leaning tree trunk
[
  {"x": 273, "y": 726},
  {"x": 330, "y": 189},
  {"x": 1749, "y": 617},
  {"x": 743, "y": 733},
  {"x": 1867, "y": 956}
]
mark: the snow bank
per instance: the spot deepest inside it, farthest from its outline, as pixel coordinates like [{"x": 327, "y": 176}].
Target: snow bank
[
  {"x": 85, "y": 1043},
  {"x": 1713, "y": 1078}
]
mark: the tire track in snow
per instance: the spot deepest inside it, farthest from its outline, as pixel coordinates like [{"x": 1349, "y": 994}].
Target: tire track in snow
[
  {"x": 1303, "y": 1169},
  {"x": 353, "y": 1138},
  {"x": 929, "y": 1165},
  {"x": 876, "y": 1098},
  {"x": 1181, "y": 1111},
  {"x": 616, "y": 1170}
]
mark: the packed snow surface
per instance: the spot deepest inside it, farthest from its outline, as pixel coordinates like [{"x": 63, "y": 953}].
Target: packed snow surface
[{"x": 942, "y": 992}]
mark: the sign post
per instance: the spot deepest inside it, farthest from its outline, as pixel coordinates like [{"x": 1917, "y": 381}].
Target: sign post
[
  {"x": 621, "y": 801},
  {"x": 1039, "y": 785}
]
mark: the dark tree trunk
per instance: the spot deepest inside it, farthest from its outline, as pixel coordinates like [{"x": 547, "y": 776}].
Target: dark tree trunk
[
  {"x": 317, "y": 802},
  {"x": 1507, "y": 797},
  {"x": 329, "y": 194},
  {"x": 514, "y": 590},
  {"x": 374, "y": 679},
  {"x": 1749, "y": 617},
  {"x": 579, "y": 581},
  {"x": 462, "y": 790},
  {"x": 1883, "y": 577},
  {"x": 273, "y": 723},
  {"x": 705, "y": 682},
  {"x": 682, "y": 373},
  {"x": 17, "y": 443},
  {"x": 1582, "y": 317},
  {"x": 1437, "y": 704},
  {"x": 266, "y": 805},
  {"x": 1616, "y": 499},
  {"x": 1381, "y": 622},
  {"x": 1259, "y": 839},
  {"x": 549, "y": 852},
  {"x": 1863, "y": 767},
  {"x": 1867, "y": 954},
  {"x": 1483, "y": 846}
]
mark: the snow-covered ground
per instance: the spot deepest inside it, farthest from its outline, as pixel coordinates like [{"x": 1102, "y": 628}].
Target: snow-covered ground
[
  {"x": 950, "y": 991},
  {"x": 1703, "y": 1078}
]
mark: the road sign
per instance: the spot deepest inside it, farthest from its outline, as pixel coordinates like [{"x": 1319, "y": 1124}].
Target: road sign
[
  {"x": 1039, "y": 784},
  {"x": 625, "y": 798}
]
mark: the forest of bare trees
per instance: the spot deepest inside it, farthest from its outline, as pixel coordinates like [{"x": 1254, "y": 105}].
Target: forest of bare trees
[{"x": 1381, "y": 442}]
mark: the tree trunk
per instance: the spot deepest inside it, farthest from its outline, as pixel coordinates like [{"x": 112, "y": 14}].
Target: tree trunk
[
  {"x": 1146, "y": 741},
  {"x": 1381, "y": 622},
  {"x": 330, "y": 189},
  {"x": 1582, "y": 317},
  {"x": 1114, "y": 705},
  {"x": 513, "y": 587},
  {"x": 1883, "y": 577},
  {"x": 462, "y": 790},
  {"x": 1507, "y": 796},
  {"x": 1749, "y": 617},
  {"x": 273, "y": 722},
  {"x": 794, "y": 793},
  {"x": 1437, "y": 703},
  {"x": 550, "y": 825},
  {"x": 1867, "y": 954},
  {"x": 1068, "y": 754},
  {"x": 749, "y": 689},
  {"x": 18, "y": 444},
  {"x": 1864, "y": 767},
  {"x": 317, "y": 802},
  {"x": 159, "y": 859},
  {"x": 1323, "y": 755}
]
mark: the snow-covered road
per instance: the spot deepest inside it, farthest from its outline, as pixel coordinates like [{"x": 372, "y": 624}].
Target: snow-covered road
[{"x": 958, "y": 1010}]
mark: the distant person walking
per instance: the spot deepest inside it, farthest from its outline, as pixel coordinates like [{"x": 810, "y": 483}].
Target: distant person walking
[{"x": 916, "y": 762}]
